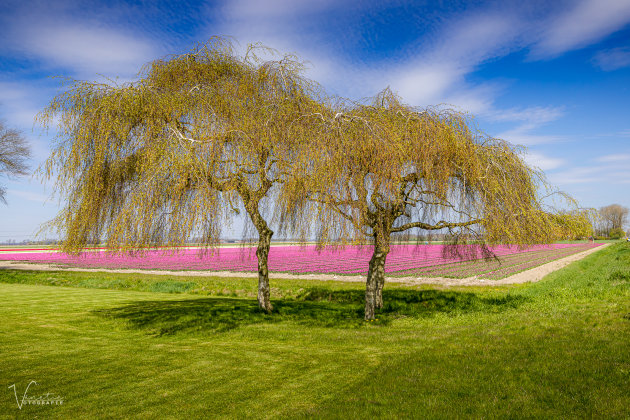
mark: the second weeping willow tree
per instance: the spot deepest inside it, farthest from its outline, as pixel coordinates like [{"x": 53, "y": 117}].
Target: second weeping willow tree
[
  {"x": 198, "y": 137},
  {"x": 374, "y": 171}
]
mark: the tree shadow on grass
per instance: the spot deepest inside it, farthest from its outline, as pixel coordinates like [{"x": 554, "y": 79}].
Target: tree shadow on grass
[
  {"x": 316, "y": 306},
  {"x": 218, "y": 314}
]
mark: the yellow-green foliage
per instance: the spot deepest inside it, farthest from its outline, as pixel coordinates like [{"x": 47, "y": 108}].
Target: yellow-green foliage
[
  {"x": 203, "y": 134},
  {"x": 171, "y": 155},
  {"x": 385, "y": 167},
  {"x": 572, "y": 224}
]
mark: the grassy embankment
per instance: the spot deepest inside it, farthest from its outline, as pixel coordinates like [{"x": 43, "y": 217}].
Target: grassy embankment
[{"x": 113, "y": 345}]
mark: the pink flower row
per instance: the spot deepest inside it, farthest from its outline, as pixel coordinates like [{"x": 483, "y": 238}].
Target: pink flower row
[{"x": 293, "y": 259}]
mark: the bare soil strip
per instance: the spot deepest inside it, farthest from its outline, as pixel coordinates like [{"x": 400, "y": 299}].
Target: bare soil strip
[{"x": 531, "y": 275}]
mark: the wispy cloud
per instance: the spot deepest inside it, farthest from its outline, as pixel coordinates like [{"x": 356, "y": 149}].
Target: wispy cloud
[
  {"x": 587, "y": 22},
  {"x": 622, "y": 157},
  {"x": 608, "y": 170},
  {"x": 613, "y": 59},
  {"x": 529, "y": 120},
  {"x": 580, "y": 175},
  {"x": 77, "y": 41},
  {"x": 438, "y": 73},
  {"x": 434, "y": 69},
  {"x": 18, "y": 104},
  {"x": 523, "y": 136},
  {"x": 273, "y": 9},
  {"x": 542, "y": 161},
  {"x": 427, "y": 72},
  {"x": 532, "y": 116},
  {"x": 54, "y": 38},
  {"x": 86, "y": 50}
]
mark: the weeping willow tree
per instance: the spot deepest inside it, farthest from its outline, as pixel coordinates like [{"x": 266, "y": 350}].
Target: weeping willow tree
[
  {"x": 195, "y": 139},
  {"x": 376, "y": 171}
]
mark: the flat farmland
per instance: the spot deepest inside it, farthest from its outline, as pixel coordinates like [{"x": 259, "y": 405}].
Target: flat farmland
[
  {"x": 403, "y": 260},
  {"x": 130, "y": 345}
]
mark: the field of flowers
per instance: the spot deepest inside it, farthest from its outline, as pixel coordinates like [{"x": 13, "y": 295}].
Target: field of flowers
[{"x": 403, "y": 260}]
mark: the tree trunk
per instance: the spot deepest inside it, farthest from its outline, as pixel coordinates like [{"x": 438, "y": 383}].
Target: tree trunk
[
  {"x": 380, "y": 282},
  {"x": 262, "y": 253},
  {"x": 376, "y": 278}
]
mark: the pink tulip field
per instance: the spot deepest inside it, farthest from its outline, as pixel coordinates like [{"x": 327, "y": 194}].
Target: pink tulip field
[{"x": 403, "y": 260}]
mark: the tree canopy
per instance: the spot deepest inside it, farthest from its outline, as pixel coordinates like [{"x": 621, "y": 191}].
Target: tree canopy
[
  {"x": 377, "y": 169},
  {"x": 176, "y": 153}
]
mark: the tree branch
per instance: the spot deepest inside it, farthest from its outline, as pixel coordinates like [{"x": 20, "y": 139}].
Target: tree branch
[{"x": 440, "y": 225}]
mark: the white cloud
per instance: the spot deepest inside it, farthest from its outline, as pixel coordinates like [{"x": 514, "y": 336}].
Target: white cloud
[
  {"x": 84, "y": 47},
  {"x": 620, "y": 175},
  {"x": 522, "y": 136},
  {"x": 598, "y": 174},
  {"x": 433, "y": 72},
  {"x": 532, "y": 116},
  {"x": 477, "y": 100},
  {"x": 621, "y": 157},
  {"x": 89, "y": 50},
  {"x": 588, "y": 22},
  {"x": 426, "y": 74},
  {"x": 273, "y": 9},
  {"x": 579, "y": 175},
  {"x": 437, "y": 73},
  {"x": 542, "y": 161},
  {"x": 466, "y": 42},
  {"x": 613, "y": 59},
  {"x": 423, "y": 84},
  {"x": 19, "y": 104},
  {"x": 529, "y": 120}
]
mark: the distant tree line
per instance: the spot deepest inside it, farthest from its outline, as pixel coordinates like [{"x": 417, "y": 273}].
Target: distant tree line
[
  {"x": 611, "y": 221},
  {"x": 30, "y": 242}
]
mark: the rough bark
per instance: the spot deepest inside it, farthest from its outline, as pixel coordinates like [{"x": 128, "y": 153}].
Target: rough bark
[
  {"x": 380, "y": 282},
  {"x": 262, "y": 254},
  {"x": 370, "y": 294},
  {"x": 376, "y": 277}
]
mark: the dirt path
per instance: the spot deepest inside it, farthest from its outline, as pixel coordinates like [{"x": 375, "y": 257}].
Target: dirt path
[{"x": 532, "y": 275}]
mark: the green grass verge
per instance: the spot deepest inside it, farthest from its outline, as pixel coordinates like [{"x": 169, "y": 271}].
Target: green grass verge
[{"x": 117, "y": 346}]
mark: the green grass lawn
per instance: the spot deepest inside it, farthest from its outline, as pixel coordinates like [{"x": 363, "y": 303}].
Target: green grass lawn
[{"x": 123, "y": 346}]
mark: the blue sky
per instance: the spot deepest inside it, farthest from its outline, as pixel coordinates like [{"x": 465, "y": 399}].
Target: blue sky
[{"x": 553, "y": 78}]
